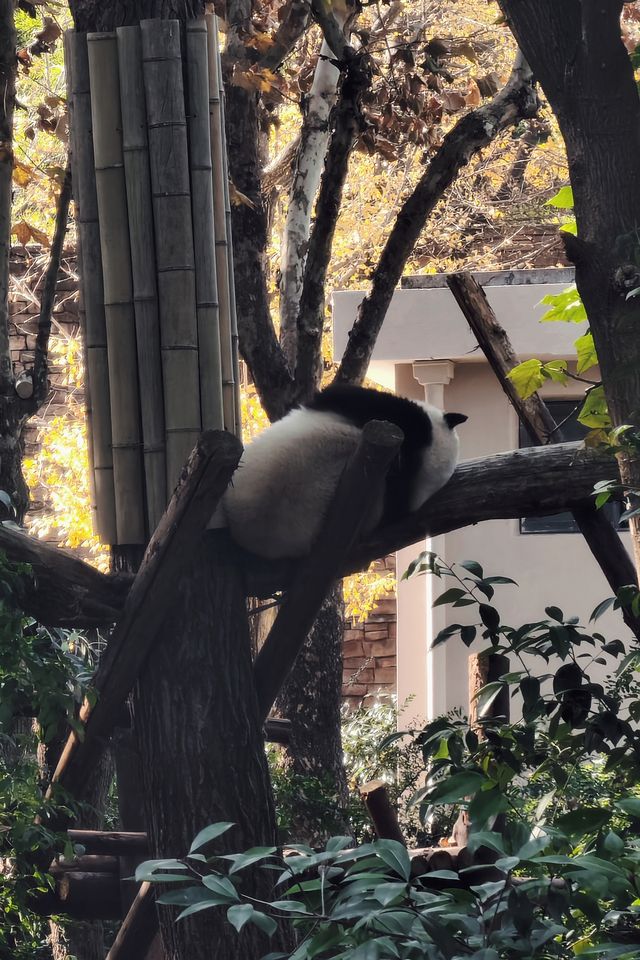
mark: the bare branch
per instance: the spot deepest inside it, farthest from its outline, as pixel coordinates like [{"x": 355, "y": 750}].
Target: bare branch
[
  {"x": 516, "y": 101},
  {"x": 332, "y": 30},
  {"x": 311, "y": 310},
  {"x": 40, "y": 365},
  {"x": 312, "y": 147},
  {"x": 293, "y": 24},
  {"x": 8, "y": 65},
  {"x": 602, "y": 539}
]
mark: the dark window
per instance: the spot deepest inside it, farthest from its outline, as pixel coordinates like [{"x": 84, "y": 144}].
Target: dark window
[{"x": 564, "y": 412}]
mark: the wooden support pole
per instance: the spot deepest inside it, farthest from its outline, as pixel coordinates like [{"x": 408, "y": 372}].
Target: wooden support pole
[
  {"x": 139, "y": 929},
  {"x": 360, "y": 487},
  {"x": 204, "y": 479},
  {"x": 602, "y": 539},
  {"x": 487, "y": 668},
  {"x": 383, "y": 815}
]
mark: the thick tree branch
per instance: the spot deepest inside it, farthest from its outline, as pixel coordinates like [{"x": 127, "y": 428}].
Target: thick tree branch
[
  {"x": 602, "y": 539},
  {"x": 47, "y": 300},
  {"x": 8, "y": 64},
  {"x": 293, "y": 24},
  {"x": 312, "y": 147},
  {"x": 331, "y": 29},
  {"x": 516, "y": 101},
  {"x": 312, "y": 304},
  {"x": 258, "y": 341},
  {"x": 522, "y": 483}
]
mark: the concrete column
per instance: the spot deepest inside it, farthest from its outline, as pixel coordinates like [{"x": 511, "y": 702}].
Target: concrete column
[{"x": 421, "y": 671}]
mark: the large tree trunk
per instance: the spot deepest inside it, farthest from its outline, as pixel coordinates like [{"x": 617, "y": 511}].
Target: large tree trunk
[
  {"x": 202, "y": 746},
  {"x": 311, "y": 700},
  {"x": 576, "y": 51}
]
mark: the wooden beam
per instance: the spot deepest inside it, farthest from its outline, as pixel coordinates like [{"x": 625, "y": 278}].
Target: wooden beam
[
  {"x": 139, "y": 928},
  {"x": 204, "y": 479},
  {"x": 116, "y": 843},
  {"x": 602, "y": 539},
  {"x": 487, "y": 668},
  {"x": 360, "y": 487}
]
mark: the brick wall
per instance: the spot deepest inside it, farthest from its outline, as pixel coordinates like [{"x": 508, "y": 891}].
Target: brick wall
[{"x": 369, "y": 667}]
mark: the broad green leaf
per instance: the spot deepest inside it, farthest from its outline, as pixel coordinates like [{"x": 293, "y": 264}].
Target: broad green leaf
[
  {"x": 566, "y": 307},
  {"x": 395, "y": 856},
  {"x": 456, "y": 787},
  {"x": 595, "y": 412},
  {"x": 239, "y": 914},
  {"x": 196, "y": 908},
  {"x": 209, "y": 833},
  {"x": 267, "y": 924},
  {"x": 240, "y": 861},
  {"x": 187, "y": 896},
  {"x": 222, "y": 886},
  {"x": 486, "y": 804},
  {"x": 454, "y": 593},
  {"x": 631, "y": 806},
  {"x": 527, "y": 377},
  {"x": 582, "y": 821},
  {"x": 151, "y": 869},
  {"x": 556, "y": 370},
  {"x": 290, "y": 906},
  {"x": 586, "y": 350},
  {"x": 563, "y": 199}
]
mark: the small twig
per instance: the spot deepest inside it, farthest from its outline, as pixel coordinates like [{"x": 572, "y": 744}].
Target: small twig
[{"x": 40, "y": 364}]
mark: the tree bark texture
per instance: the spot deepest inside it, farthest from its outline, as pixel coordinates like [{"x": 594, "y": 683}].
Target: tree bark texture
[
  {"x": 311, "y": 700},
  {"x": 97, "y": 15},
  {"x": 8, "y": 66},
  {"x": 576, "y": 51},
  {"x": 201, "y": 742}
]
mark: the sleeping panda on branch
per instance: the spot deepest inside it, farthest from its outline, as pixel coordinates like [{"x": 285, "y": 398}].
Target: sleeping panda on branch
[{"x": 288, "y": 475}]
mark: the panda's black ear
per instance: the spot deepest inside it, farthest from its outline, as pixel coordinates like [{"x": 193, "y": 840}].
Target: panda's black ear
[{"x": 453, "y": 419}]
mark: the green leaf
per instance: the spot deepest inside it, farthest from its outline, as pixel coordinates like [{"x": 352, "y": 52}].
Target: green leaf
[
  {"x": 456, "y": 787},
  {"x": 489, "y": 616},
  {"x": 196, "y": 908},
  {"x": 487, "y": 694},
  {"x": 486, "y": 804},
  {"x": 556, "y": 370},
  {"x": 187, "y": 896},
  {"x": 473, "y": 567},
  {"x": 240, "y": 861},
  {"x": 468, "y": 635},
  {"x": 267, "y": 924},
  {"x": 209, "y": 833},
  {"x": 586, "y": 350},
  {"x": 454, "y": 593},
  {"x": 222, "y": 886},
  {"x": 290, "y": 906},
  {"x": 566, "y": 307},
  {"x": 239, "y": 914},
  {"x": 602, "y": 608},
  {"x": 595, "y": 412},
  {"x": 583, "y": 820},
  {"x": 563, "y": 199},
  {"x": 151, "y": 870},
  {"x": 630, "y": 806},
  {"x": 395, "y": 856},
  {"x": 527, "y": 377}
]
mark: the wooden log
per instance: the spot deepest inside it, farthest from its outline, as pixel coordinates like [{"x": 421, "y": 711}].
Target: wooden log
[
  {"x": 87, "y": 863},
  {"x": 92, "y": 315},
  {"x": 117, "y": 843},
  {"x": 602, "y": 539},
  {"x": 143, "y": 262},
  {"x": 383, "y": 815},
  {"x": 487, "y": 668},
  {"x": 360, "y": 487},
  {"x": 136, "y": 935},
  {"x": 111, "y": 191},
  {"x": 66, "y": 592},
  {"x": 204, "y": 480},
  {"x": 277, "y": 730},
  {"x": 169, "y": 164},
  {"x": 223, "y": 245},
  {"x": 207, "y": 306}
]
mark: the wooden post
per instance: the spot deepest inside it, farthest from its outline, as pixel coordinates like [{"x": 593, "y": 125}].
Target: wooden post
[
  {"x": 383, "y": 815},
  {"x": 487, "y": 668},
  {"x": 360, "y": 487},
  {"x": 118, "y": 288},
  {"x": 139, "y": 929},
  {"x": 204, "y": 480},
  {"x": 143, "y": 262},
  {"x": 603, "y": 541},
  {"x": 169, "y": 160}
]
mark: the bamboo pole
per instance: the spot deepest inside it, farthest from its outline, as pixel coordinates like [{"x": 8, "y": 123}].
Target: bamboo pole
[
  {"x": 203, "y": 227},
  {"x": 145, "y": 295},
  {"x": 220, "y": 219},
  {"x": 118, "y": 288},
  {"x": 92, "y": 314},
  {"x": 169, "y": 163}
]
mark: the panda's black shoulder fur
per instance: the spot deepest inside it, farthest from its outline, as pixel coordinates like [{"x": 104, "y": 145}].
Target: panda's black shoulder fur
[{"x": 358, "y": 405}]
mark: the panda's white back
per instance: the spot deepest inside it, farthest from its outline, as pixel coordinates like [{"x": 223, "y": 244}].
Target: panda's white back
[{"x": 285, "y": 482}]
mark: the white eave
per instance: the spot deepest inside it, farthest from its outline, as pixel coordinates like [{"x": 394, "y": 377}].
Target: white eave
[{"x": 425, "y": 323}]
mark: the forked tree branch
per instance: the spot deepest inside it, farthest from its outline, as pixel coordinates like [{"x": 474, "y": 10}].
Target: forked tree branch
[
  {"x": 294, "y": 21},
  {"x": 516, "y": 101}
]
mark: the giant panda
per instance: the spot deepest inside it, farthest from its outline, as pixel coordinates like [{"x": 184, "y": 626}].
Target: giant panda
[{"x": 289, "y": 473}]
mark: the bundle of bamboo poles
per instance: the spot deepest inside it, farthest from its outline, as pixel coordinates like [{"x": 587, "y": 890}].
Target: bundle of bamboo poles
[{"x": 151, "y": 191}]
